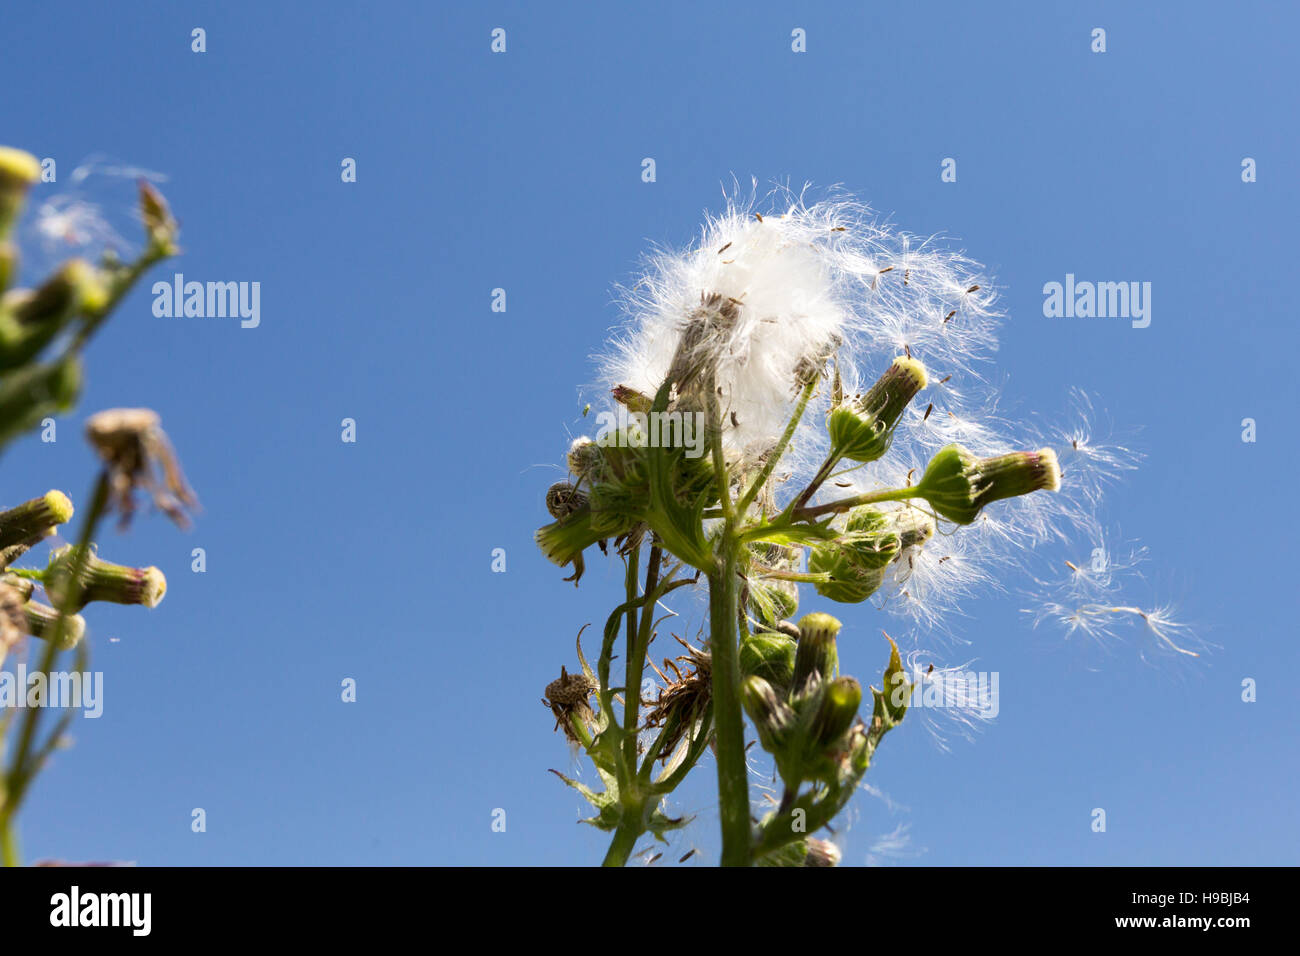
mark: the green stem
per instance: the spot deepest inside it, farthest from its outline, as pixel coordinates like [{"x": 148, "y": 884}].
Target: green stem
[
  {"x": 624, "y": 843},
  {"x": 844, "y": 504},
  {"x": 775, "y": 454},
  {"x": 728, "y": 719},
  {"x": 637, "y": 643}
]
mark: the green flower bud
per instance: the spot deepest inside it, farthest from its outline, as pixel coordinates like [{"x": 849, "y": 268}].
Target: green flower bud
[
  {"x": 29, "y": 319},
  {"x": 872, "y": 539},
  {"x": 772, "y": 600},
  {"x": 958, "y": 485},
  {"x": 35, "y": 519},
  {"x": 40, "y": 622},
  {"x": 835, "y": 713},
  {"x": 18, "y": 170},
  {"x": 770, "y": 656},
  {"x": 816, "y": 656},
  {"x": 772, "y": 717},
  {"x": 862, "y": 430},
  {"x": 102, "y": 581}
]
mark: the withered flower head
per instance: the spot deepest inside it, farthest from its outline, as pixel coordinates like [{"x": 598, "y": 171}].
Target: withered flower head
[
  {"x": 567, "y": 696},
  {"x": 135, "y": 448},
  {"x": 686, "y": 696}
]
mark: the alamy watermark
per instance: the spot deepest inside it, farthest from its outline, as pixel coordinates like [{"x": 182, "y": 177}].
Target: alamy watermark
[
  {"x": 975, "y": 691},
  {"x": 66, "y": 689},
  {"x": 208, "y": 300},
  {"x": 1102, "y": 300},
  {"x": 628, "y": 429}
]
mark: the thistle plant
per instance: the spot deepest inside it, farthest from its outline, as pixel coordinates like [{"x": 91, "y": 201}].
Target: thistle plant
[
  {"x": 833, "y": 368},
  {"x": 43, "y": 334}
]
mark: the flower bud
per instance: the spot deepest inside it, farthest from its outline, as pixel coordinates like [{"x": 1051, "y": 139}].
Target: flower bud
[
  {"x": 861, "y": 430},
  {"x": 958, "y": 485},
  {"x": 30, "y": 319},
  {"x": 18, "y": 170},
  {"x": 772, "y": 717},
  {"x": 585, "y": 459},
  {"x": 102, "y": 581},
  {"x": 872, "y": 539},
  {"x": 772, "y": 600},
  {"x": 816, "y": 653},
  {"x": 836, "y": 712},
  {"x": 159, "y": 223},
  {"x": 35, "y": 519},
  {"x": 770, "y": 656},
  {"x": 41, "y": 622}
]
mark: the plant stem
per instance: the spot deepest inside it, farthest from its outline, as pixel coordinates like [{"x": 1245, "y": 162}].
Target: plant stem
[
  {"x": 844, "y": 504},
  {"x": 624, "y": 843},
  {"x": 775, "y": 454},
  {"x": 728, "y": 719}
]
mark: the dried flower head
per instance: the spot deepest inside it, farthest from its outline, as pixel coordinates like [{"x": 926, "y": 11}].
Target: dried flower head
[
  {"x": 135, "y": 449},
  {"x": 567, "y": 697}
]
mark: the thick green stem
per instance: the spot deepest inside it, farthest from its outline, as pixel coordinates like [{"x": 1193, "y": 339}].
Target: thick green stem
[
  {"x": 728, "y": 719},
  {"x": 624, "y": 843}
]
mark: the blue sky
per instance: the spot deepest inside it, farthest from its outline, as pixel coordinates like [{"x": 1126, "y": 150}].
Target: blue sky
[{"x": 522, "y": 170}]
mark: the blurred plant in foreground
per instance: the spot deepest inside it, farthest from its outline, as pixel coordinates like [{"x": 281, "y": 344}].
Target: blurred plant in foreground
[
  {"x": 43, "y": 332},
  {"x": 767, "y": 434}
]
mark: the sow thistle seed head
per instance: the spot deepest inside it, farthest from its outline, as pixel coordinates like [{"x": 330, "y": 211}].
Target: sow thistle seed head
[{"x": 567, "y": 696}]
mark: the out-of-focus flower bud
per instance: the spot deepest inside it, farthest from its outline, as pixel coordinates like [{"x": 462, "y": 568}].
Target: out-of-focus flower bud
[
  {"x": 102, "y": 581},
  {"x": 958, "y": 485},
  {"x": 41, "y": 621},
  {"x": 30, "y": 319},
  {"x": 18, "y": 171},
  {"x": 35, "y": 519},
  {"x": 821, "y": 853},
  {"x": 861, "y": 430},
  {"x": 159, "y": 224}
]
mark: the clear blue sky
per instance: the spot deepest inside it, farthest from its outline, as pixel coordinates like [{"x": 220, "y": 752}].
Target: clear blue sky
[{"x": 329, "y": 560}]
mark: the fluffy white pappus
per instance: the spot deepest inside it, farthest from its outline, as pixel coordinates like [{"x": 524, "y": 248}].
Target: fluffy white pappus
[
  {"x": 1089, "y": 598},
  {"x": 98, "y": 211},
  {"x": 954, "y": 701},
  {"x": 805, "y": 280}
]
